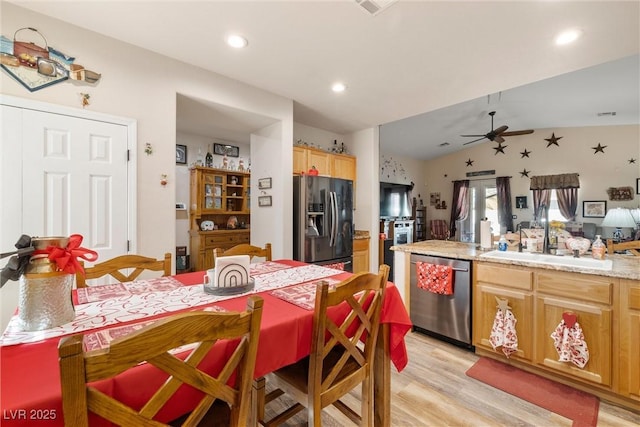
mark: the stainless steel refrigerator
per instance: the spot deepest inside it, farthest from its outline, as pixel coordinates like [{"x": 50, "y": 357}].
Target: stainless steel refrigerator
[{"x": 323, "y": 220}]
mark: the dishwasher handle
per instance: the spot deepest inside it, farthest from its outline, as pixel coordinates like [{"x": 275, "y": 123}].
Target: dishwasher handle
[{"x": 453, "y": 268}]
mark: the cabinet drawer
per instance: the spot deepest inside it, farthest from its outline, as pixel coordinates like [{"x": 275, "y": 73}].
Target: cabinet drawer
[
  {"x": 576, "y": 286},
  {"x": 360, "y": 244},
  {"x": 509, "y": 277},
  {"x": 226, "y": 240}
]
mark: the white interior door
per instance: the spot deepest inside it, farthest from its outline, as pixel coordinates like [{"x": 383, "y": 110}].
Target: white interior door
[
  {"x": 64, "y": 171},
  {"x": 75, "y": 180}
]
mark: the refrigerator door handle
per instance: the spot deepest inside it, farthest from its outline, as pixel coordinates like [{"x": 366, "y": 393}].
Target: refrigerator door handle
[{"x": 334, "y": 219}]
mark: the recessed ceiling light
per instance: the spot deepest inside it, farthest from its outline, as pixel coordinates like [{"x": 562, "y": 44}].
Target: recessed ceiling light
[
  {"x": 237, "y": 41},
  {"x": 567, "y": 37},
  {"x": 338, "y": 87}
]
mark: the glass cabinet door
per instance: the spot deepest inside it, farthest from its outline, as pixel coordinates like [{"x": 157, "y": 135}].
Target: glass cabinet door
[{"x": 213, "y": 191}]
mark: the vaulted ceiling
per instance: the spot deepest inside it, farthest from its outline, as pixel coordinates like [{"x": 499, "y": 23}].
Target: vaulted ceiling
[{"x": 414, "y": 57}]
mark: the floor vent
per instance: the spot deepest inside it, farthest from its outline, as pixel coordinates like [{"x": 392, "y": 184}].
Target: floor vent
[{"x": 374, "y": 7}]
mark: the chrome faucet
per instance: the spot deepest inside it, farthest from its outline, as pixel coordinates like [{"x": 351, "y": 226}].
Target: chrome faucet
[{"x": 520, "y": 245}]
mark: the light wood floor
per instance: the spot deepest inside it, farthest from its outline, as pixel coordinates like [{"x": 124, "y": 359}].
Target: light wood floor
[{"x": 433, "y": 390}]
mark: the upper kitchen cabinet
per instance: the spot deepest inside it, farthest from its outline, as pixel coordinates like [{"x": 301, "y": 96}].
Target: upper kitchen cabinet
[
  {"x": 343, "y": 166},
  {"x": 328, "y": 164}
]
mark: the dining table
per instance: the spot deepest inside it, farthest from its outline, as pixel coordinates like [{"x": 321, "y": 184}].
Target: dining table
[{"x": 30, "y": 393}]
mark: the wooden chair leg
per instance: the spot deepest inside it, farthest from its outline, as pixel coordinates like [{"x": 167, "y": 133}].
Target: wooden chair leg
[{"x": 257, "y": 402}]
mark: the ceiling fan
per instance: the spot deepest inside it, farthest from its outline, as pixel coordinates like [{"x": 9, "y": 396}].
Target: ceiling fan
[{"x": 497, "y": 134}]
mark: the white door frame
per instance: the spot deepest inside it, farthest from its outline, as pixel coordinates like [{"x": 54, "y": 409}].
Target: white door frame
[{"x": 132, "y": 143}]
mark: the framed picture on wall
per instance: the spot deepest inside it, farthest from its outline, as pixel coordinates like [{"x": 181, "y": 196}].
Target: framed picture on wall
[
  {"x": 181, "y": 154},
  {"x": 264, "y": 201},
  {"x": 594, "y": 209}
]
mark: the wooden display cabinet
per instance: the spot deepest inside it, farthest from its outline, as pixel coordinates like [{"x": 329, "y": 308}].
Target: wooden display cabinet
[{"x": 217, "y": 195}]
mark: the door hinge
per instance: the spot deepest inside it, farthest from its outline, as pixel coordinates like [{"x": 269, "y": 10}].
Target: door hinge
[
  {"x": 128, "y": 155},
  {"x": 128, "y": 245}
]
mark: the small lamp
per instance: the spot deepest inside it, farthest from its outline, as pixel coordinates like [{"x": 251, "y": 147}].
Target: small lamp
[
  {"x": 635, "y": 213},
  {"x": 618, "y": 218}
]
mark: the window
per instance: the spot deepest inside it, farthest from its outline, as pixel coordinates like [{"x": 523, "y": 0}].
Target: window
[
  {"x": 554, "y": 209},
  {"x": 483, "y": 203}
]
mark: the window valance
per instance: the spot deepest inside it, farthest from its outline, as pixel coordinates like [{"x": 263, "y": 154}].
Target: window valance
[{"x": 549, "y": 182}]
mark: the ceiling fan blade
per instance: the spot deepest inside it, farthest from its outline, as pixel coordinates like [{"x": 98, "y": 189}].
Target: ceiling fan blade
[
  {"x": 474, "y": 136},
  {"x": 475, "y": 140},
  {"x": 498, "y": 139},
  {"x": 500, "y": 130},
  {"x": 518, "y": 132}
]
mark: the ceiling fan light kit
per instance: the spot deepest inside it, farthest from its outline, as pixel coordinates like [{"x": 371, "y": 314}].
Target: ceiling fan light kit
[{"x": 497, "y": 135}]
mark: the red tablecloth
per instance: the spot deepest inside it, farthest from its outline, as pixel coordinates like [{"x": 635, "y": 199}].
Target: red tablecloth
[{"x": 30, "y": 380}]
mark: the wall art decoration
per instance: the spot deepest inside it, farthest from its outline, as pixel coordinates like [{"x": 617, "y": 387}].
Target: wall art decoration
[
  {"x": 620, "y": 193},
  {"x": 392, "y": 170},
  {"x": 224, "y": 149},
  {"x": 36, "y": 67},
  {"x": 521, "y": 202}
]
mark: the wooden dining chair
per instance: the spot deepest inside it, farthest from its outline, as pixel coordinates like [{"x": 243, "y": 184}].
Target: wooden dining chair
[
  {"x": 342, "y": 354},
  {"x": 438, "y": 229},
  {"x": 114, "y": 267},
  {"x": 632, "y": 246},
  {"x": 152, "y": 344},
  {"x": 245, "y": 249}
]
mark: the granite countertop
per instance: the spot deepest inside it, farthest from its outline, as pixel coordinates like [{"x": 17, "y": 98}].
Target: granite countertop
[
  {"x": 624, "y": 266},
  {"x": 361, "y": 234}
]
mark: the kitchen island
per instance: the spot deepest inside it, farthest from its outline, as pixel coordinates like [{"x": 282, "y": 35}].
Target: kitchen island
[{"x": 605, "y": 303}]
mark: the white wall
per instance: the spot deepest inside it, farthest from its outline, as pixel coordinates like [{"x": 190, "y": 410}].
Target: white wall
[
  {"x": 318, "y": 138},
  {"x": 365, "y": 146},
  {"x": 598, "y": 171},
  {"x": 273, "y": 223},
  {"x": 142, "y": 85}
]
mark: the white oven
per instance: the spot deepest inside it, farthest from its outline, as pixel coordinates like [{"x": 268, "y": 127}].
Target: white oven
[{"x": 402, "y": 232}]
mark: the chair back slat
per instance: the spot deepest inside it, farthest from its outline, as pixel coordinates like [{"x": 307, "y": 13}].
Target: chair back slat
[
  {"x": 245, "y": 249},
  {"x": 632, "y": 246},
  {"x": 115, "y": 266}
]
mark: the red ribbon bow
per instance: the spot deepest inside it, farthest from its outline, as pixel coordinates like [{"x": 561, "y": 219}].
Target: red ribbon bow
[{"x": 67, "y": 258}]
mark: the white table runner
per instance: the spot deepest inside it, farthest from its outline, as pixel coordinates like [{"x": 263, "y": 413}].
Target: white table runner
[{"x": 131, "y": 306}]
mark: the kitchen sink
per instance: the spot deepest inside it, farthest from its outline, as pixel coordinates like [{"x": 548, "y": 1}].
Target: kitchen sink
[{"x": 560, "y": 260}]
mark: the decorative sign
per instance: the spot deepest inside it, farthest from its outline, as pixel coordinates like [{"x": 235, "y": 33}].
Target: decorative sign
[
  {"x": 620, "y": 193},
  {"x": 481, "y": 173}
]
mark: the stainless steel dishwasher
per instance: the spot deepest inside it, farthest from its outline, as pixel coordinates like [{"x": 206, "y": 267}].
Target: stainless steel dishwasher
[{"x": 447, "y": 317}]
